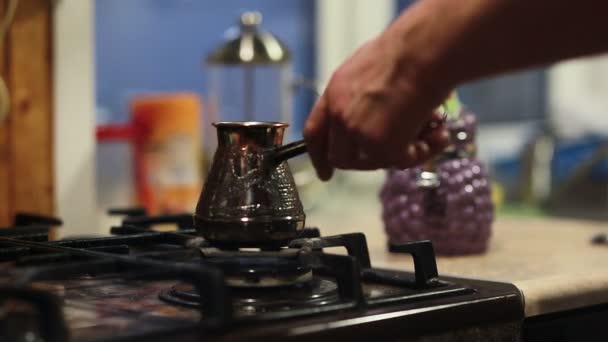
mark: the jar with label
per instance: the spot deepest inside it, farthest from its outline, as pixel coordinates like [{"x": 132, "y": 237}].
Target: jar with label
[{"x": 168, "y": 171}]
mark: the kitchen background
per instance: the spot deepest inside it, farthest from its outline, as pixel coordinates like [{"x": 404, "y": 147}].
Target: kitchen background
[{"x": 541, "y": 133}]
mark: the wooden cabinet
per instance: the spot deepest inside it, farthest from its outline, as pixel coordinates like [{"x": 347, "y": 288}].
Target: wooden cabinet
[{"x": 26, "y": 136}]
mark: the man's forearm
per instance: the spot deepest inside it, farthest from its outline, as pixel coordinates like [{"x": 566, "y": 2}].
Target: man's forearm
[{"x": 463, "y": 40}]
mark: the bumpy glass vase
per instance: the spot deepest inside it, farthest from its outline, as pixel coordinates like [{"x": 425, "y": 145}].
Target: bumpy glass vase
[{"x": 447, "y": 201}]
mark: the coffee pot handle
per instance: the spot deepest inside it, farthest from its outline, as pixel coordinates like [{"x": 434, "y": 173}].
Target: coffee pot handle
[
  {"x": 281, "y": 154},
  {"x": 296, "y": 148}
]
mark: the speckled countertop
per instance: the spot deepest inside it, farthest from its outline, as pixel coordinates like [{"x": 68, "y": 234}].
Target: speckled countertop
[{"x": 552, "y": 261}]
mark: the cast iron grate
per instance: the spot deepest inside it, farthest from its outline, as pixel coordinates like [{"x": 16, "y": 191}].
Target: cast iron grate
[{"x": 137, "y": 252}]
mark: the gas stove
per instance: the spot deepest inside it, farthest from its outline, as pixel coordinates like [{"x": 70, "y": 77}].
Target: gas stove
[{"x": 148, "y": 280}]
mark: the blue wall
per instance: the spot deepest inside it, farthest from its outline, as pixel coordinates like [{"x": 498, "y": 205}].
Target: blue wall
[
  {"x": 401, "y": 4},
  {"x": 159, "y": 45}
]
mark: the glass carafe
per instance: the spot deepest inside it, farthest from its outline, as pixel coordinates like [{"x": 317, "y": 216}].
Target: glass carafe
[{"x": 250, "y": 79}]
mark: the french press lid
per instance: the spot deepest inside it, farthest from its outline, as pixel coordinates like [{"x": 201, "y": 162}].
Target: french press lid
[{"x": 249, "y": 44}]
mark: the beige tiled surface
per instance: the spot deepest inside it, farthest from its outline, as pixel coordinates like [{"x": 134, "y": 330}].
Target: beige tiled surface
[{"x": 551, "y": 261}]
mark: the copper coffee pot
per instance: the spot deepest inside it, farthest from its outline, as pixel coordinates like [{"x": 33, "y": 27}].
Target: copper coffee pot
[{"x": 250, "y": 198}]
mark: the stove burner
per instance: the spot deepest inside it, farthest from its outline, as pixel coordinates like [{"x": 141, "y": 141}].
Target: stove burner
[
  {"x": 267, "y": 281},
  {"x": 259, "y": 269},
  {"x": 249, "y": 302}
]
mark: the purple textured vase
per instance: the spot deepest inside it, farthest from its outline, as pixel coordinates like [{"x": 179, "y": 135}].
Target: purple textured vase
[{"x": 447, "y": 201}]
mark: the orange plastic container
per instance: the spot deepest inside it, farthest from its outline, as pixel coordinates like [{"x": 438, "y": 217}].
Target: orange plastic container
[{"x": 165, "y": 134}]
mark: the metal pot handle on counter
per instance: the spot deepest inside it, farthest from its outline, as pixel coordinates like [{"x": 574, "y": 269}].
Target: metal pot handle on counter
[{"x": 250, "y": 198}]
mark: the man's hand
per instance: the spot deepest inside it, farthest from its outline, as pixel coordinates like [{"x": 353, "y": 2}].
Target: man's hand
[
  {"x": 374, "y": 115},
  {"x": 378, "y": 104}
]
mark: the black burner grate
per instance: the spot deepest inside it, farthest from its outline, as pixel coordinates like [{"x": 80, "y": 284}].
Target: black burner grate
[{"x": 136, "y": 252}]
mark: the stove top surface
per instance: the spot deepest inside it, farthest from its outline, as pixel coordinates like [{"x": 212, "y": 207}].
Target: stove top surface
[{"x": 145, "y": 283}]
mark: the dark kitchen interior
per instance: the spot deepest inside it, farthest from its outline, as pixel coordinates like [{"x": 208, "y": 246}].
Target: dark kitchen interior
[{"x": 154, "y": 185}]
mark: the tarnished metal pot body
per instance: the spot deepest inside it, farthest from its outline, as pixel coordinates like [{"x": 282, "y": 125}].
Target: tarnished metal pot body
[{"x": 248, "y": 200}]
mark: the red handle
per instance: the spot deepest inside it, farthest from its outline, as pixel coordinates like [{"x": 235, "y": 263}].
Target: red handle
[{"x": 115, "y": 132}]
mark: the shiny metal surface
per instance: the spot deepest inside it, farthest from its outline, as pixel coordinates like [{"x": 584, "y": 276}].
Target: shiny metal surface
[
  {"x": 266, "y": 232},
  {"x": 249, "y": 44},
  {"x": 461, "y": 127},
  {"x": 428, "y": 179},
  {"x": 247, "y": 200}
]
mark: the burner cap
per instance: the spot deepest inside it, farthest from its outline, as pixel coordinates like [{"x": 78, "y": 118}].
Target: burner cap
[
  {"x": 260, "y": 281},
  {"x": 259, "y": 268},
  {"x": 249, "y": 302}
]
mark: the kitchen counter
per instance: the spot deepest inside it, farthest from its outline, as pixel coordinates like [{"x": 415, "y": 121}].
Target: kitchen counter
[{"x": 552, "y": 261}]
